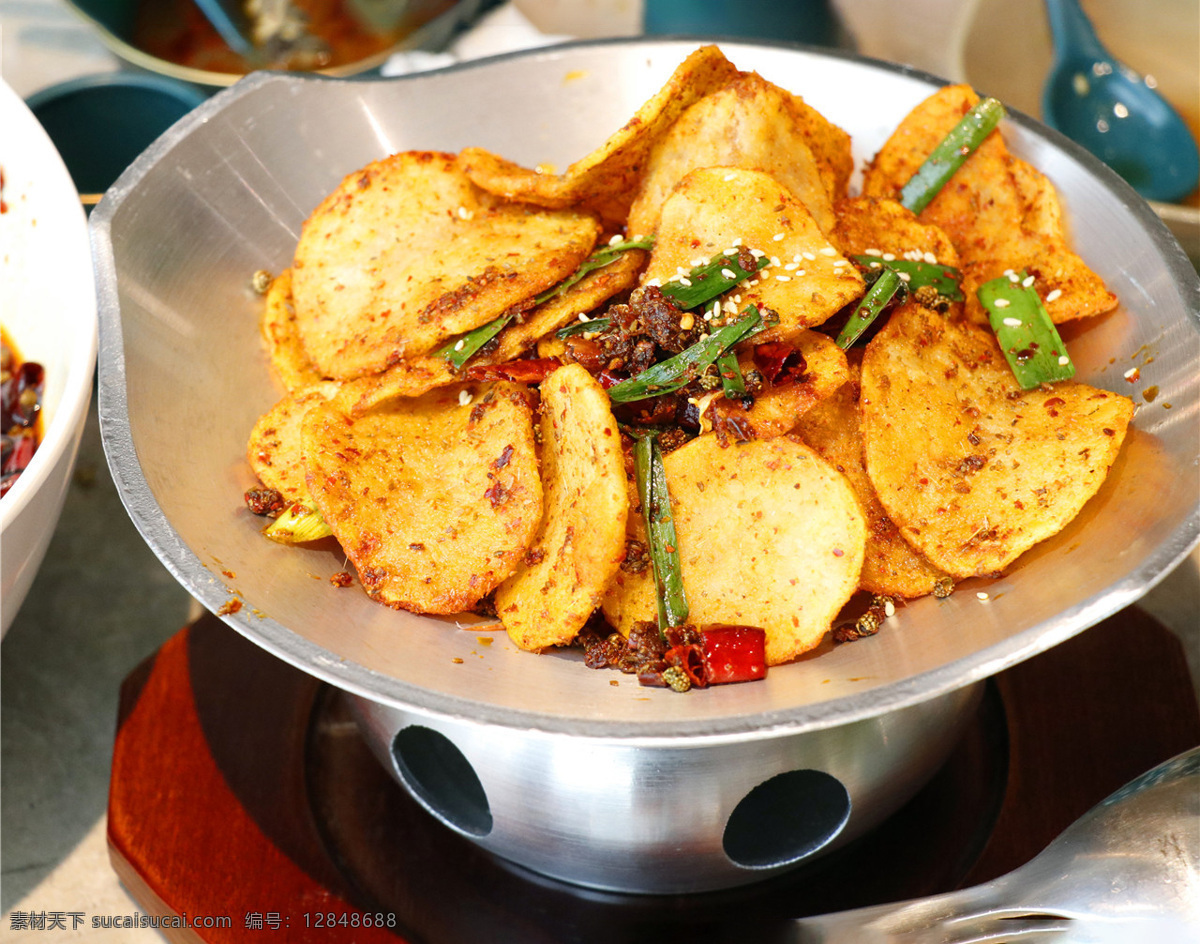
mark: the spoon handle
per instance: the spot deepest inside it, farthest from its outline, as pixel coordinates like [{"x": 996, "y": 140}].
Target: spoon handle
[{"x": 1072, "y": 30}]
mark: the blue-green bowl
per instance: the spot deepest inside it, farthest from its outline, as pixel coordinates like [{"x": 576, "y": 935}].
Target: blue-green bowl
[{"x": 100, "y": 123}]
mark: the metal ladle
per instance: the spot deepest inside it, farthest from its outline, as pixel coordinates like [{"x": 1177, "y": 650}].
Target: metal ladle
[
  {"x": 1126, "y": 871},
  {"x": 1115, "y": 113}
]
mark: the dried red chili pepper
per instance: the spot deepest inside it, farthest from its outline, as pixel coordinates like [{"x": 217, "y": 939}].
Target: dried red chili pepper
[{"x": 733, "y": 653}]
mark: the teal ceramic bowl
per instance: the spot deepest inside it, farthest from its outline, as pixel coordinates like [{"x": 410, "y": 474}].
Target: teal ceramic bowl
[{"x": 100, "y": 123}]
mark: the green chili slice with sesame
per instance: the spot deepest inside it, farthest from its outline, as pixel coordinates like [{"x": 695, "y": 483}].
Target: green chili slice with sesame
[
  {"x": 680, "y": 370},
  {"x": 1028, "y": 338},
  {"x": 660, "y": 533},
  {"x": 705, "y": 282},
  {"x": 463, "y": 348},
  {"x": 944, "y": 278},
  {"x": 950, "y": 154},
  {"x": 732, "y": 381}
]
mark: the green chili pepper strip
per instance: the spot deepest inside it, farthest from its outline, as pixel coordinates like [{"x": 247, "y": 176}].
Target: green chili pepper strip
[
  {"x": 597, "y": 260},
  {"x": 876, "y": 299},
  {"x": 950, "y": 154},
  {"x": 686, "y": 366},
  {"x": 300, "y": 522},
  {"x": 462, "y": 349},
  {"x": 1030, "y": 342},
  {"x": 944, "y": 278},
  {"x": 732, "y": 381},
  {"x": 582, "y": 327},
  {"x": 660, "y": 533},
  {"x": 705, "y": 282}
]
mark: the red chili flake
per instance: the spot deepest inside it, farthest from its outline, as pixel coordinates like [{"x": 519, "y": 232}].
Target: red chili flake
[
  {"x": 779, "y": 361},
  {"x": 838, "y": 552},
  {"x": 527, "y": 371},
  {"x": 341, "y": 579}
]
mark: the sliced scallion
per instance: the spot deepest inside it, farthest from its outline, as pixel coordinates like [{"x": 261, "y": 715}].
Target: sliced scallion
[
  {"x": 708, "y": 280},
  {"x": 300, "y": 522},
  {"x": 582, "y": 327},
  {"x": 597, "y": 260},
  {"x": 950, "y": 154},
  {"x": 732, "y": 381},
  {"x": 680, "y": 370},
  {"x": 660, "y": 533},
  {"x": 944, "y": 278},
  {"x": 1028, "y": 338},
  {"x": 878, "y": 295},
  {"x": 464, "y": 347}
]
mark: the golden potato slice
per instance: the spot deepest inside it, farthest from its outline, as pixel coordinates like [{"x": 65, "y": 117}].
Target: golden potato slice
[
  {"x": 833, "y": 428},
  {"x": 995, "y": 209},
  {"x": 434, "y": 498},
  {"x": 289, "y": 359},
  {"x": 607, "y": 179},
  {"x": 877, "y": 225},
  {"x": 713, "y": 209},
  {"x": 274, "y": 450},
  {"x": 407, "y": 253},
  {"x": 584, "y": 296},
  {"x": 770, "y": 535},
  {"x": 776, "y": 410},
  {"x": 581, "y": 541},
  {"x": 750, "y": 124},
  {"x": 972, "y": 469}
]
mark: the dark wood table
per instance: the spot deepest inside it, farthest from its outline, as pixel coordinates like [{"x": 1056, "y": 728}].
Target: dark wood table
[{"x": 242, "y": 791}]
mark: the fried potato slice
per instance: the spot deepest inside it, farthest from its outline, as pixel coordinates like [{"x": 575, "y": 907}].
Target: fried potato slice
[
  {"x": 584, "y": 296},
  {"x": 581, "y": 541},
  {"x": 434, "y": 498},
  {"x": 750, "y": 123},
  {"x": 274, "y": 450},
  {"x": 833, "y": 428},
  {"x": 972, "y": 469},
  {"x": 878, "y": 225},
  {"x": 770, "y": 535},
  {"x": 776, "y": 410},
  {"x": 997, "y": 210},
  {"x": 407, "y": 253},
  {"x": 289, "y": 360},
  {"x": 607, "y": 179},
  {"x": 715, "y": 208}
]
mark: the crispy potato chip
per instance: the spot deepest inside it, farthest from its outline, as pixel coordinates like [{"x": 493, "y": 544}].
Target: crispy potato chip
[
  {"x": 999, "y": 212},
  {"x": 581, "y": 541},
  {"x": 770, "y": 535},
  {"x": 877, "y": 225},
  {"x": 795, "y": 391},
  {"x": 407, "y": 253},
  {"x": 607, "y": 179},
  {"x": 972, "y": 469},
  {"x": 289, "y": 359},
  {"x": 434, "y": 498},
  {"x": 833, "y": 428},
  {"x": 274, "y": 449},
  {"x": 715, "y": 208},
  {"x": 584, "y": 296},
  {"x": 751, "y": 124}
]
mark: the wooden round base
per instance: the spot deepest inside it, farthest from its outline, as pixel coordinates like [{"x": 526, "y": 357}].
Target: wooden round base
[{"x": 242, "y": 789}]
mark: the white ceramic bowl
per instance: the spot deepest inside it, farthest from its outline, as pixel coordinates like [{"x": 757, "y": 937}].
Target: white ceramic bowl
[{"x": 48, "y": 309}]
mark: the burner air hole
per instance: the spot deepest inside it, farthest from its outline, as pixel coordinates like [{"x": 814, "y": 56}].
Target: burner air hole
[
  {"x": 442, "y": 779},
  {"x": 786, "y": 819}
]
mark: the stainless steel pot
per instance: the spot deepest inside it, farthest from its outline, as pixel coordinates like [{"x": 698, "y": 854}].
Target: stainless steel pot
[{"x": 536, "y": 757}]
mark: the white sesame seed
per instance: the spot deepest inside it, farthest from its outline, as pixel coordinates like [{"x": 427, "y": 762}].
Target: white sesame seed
[
  {"x": 458, "y": 345},
  {"x": 889, "y": 608},
  {"x": 783, "y": 278},
  {"x": 1012, "y": 276},
  {"x": 810, "y": 257},
  {"x": 1001, "y": 303},
  {"x": 1054, "y": 295},
  {"x": 731, "y": 251},
  {"x": 1132, "y": 374},
  {"x": 913, "y": 255},
  {"x": 800, "y": 273},
  {"x": 616, "y": 238},
  {"x": 905, "y": 276},
  {"x": 738, "y": 241},
  {"x": 930, "y": 258},
  {"x": 728, "y": 274},
  {"x": 828, "y": 251},
  {"x": 777, "y": 237},
  {"x": 1027, "y": 282},
  {"x": 757, "y": 253},
  {"x": 683, "y": 280},
  {"x": 872, "y": 252},
  {"x": 583, "y": 316},
  {"x": 775, "y": 261},
  {"x": 656, "y": 282},
  {"x": 1012, "y": 322},
  {"x": 981, "y": 595},
  {"x": 464, "y": 397},
  {"x": 730, "y": 176},
  {"x": 792, "y": 266},
  {"x": 1063, "y": 360}
]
